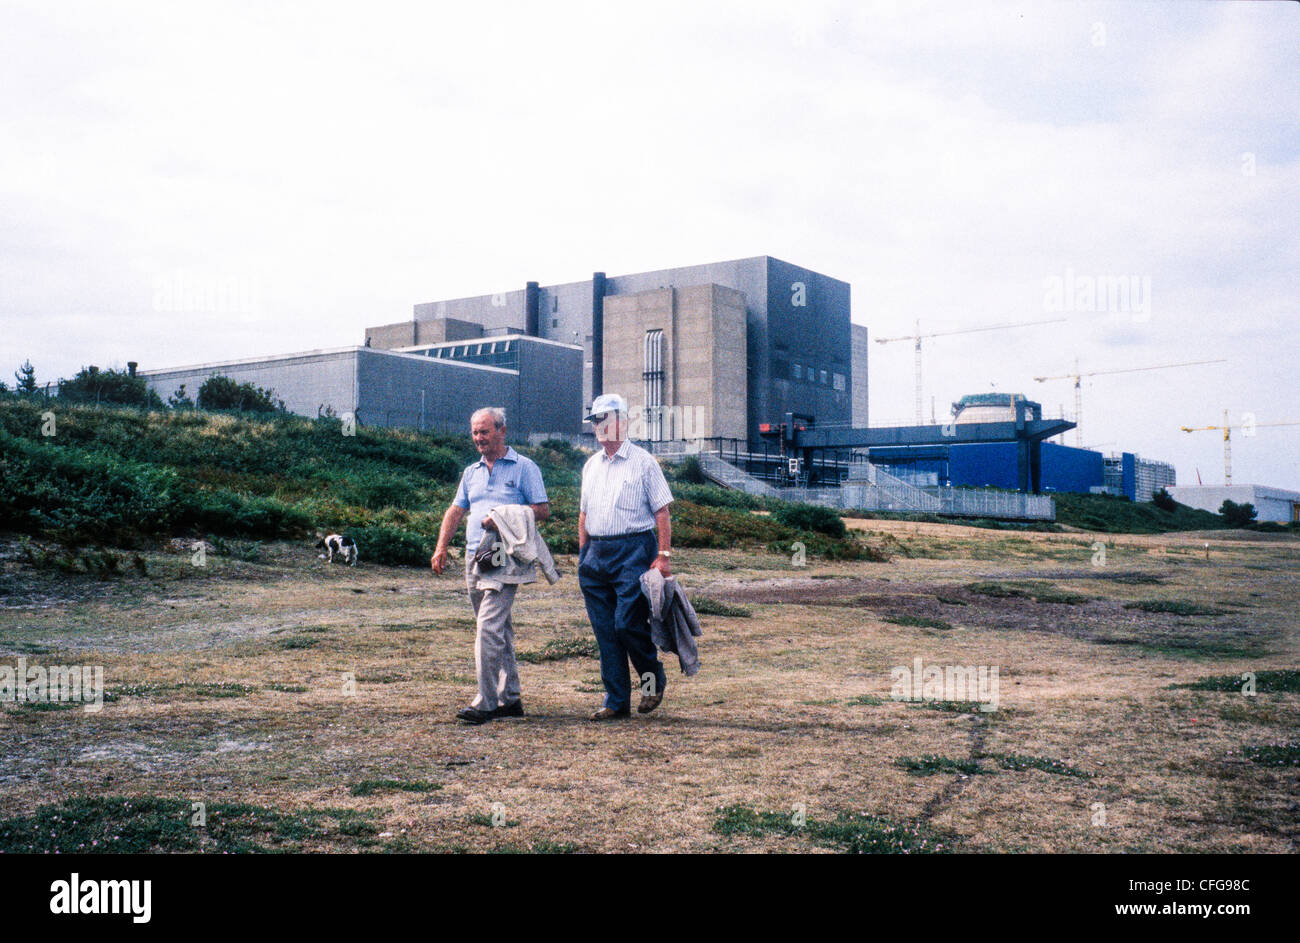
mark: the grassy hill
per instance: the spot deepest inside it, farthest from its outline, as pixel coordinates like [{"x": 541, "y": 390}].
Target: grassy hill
[
  {"x": 1112, "y": 515},
  {"x": 124, "y": 477}
]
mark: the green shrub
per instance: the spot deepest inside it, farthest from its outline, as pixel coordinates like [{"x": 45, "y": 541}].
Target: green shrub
[
  {"x": 708, "y": 495},
  {"x": 1164, "y": 500},
  {"x": 1283, "y": 753},
  {"x": 689, "y": 471},
  {"x": 222, "y": 393},
  {"x": 92, "y": 385},
  {"x": 393, "y": 546},
  {"x": 250, "y": 551},
  {"x": 383, "y": 491},
  {"x": 811, "y": 517},
  {"x": 1238, "y": 515}
]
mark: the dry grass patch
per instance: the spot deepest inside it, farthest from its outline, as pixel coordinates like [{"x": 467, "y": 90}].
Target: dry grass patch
[{"x": 791, "y": 708}]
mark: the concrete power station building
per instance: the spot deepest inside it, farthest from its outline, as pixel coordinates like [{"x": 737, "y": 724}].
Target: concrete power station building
[
  {"x": 706, "y": 351},
  {"x": 715, "y": 353}
]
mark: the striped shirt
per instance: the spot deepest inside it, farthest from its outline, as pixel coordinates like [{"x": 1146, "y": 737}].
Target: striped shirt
[{"x": 620, "y": 495}]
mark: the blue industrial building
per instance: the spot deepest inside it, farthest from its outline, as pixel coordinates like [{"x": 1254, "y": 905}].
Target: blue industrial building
[{"x": 993, "y": 464}]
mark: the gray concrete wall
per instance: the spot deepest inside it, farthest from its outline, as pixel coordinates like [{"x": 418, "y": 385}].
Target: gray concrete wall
[
  {"x": 704, "y": 358},
  {"x": 627, "y": 319},
  {"x": 861, "y": 350},
  {"x": 384, "y": 389},
  {"x": 306, "y": 382},
  {"x": 412, "y": 333},
  {"x": 730, "y": 352},
  {"x": 550, "y": 396},
  {"x": 808, "y": 321},
  {"x": 749, "y": 276},
  {"x": 503, "y": 311},
  {"x": 565, "y": 316},
  {"x": 391, "y": 386},
  {"x": 390, "y": 336}
]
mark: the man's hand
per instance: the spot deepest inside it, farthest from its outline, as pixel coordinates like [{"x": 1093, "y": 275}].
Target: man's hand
[
  {"x": 450, "y": 521},
  {"x": 439, "y": 561},
  {"x": 664, "y": 529}
]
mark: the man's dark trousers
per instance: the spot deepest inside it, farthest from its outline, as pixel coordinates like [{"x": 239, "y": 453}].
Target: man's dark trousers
[{"x": 609, "y": 572}]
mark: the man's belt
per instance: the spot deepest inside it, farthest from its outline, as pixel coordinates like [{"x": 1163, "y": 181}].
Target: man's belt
[{"x": 640, "y": 533}]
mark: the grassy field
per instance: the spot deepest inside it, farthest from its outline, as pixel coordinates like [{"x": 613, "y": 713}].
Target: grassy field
[{"x": 311, "y": 707}]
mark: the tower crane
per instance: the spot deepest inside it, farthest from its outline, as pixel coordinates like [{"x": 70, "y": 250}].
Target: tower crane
[
  {"x": 1227, "y": 428},
  {"x": 1077, "y": 377},
  {"x": 970, "y": 330}
]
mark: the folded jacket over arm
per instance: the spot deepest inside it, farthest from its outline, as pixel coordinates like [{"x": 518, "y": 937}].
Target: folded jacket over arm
[
  {"x": 523, "y": 546},
  {"x": 673, "y": 623}
]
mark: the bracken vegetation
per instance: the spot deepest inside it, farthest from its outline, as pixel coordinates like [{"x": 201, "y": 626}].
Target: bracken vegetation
[{"x": 128, "y": 476}]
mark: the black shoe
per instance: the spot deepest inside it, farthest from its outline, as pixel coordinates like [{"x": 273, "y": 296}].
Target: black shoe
[
  {"x": 472, "y": 715},
  {"x": 510, "y": 710}
]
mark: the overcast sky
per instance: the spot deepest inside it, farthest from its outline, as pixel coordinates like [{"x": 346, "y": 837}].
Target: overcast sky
[{"x": 317, "y": 168}]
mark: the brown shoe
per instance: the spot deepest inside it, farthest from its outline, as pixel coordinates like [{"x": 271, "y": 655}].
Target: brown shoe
[
  {"x": 649, "y": 703},
  {"x": 606, "y": 713}
]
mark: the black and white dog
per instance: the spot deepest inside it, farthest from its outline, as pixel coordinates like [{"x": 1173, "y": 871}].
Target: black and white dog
[{"x": 343, "y": 545}]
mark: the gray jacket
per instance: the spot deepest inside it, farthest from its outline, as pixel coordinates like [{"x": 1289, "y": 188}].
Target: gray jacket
[
  {"x": 523, "y": 549},
  {"x": 673, "y": 623}
]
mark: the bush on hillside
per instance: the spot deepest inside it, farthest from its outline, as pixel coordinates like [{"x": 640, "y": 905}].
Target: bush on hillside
[
  {"x": 811, "y": 517},
  {"x": 392, "y": 546},
  {"x": 1238, "y": 515},
  {"x": 79, "y": 495},
  {"x": 1164, "y": 500},
  {"x": 219, "y": 393},
  {"x": 688, "y": 471},
  {"x": 108, "y": 387}
]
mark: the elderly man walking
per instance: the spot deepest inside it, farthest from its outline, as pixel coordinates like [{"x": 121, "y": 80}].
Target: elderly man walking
[
  {"x": 624, "y": 529},
  {"x": 500, "y": 476}
]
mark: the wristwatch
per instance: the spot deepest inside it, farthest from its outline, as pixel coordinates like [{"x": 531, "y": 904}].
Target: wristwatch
[{"x": 665, "y": 553}]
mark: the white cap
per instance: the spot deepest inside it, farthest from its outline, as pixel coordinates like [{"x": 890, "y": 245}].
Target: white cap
[{"x": 607, "y": 403}]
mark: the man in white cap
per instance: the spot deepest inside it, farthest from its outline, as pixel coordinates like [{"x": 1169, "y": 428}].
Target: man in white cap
[{"x": 623, "y": 530}]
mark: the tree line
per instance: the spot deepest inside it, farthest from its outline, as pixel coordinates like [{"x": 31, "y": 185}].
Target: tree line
[{"x": 121, "y": 388}]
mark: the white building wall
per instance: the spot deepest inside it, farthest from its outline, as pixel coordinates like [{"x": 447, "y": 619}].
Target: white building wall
[{"x": 1273, "y": 504}]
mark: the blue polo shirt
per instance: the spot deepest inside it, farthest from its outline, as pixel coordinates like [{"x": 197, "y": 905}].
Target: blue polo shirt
[{"x": 513, "y": 479}]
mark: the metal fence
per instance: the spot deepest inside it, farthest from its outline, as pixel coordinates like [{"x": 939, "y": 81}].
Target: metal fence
[
  {"x": 873, "y": 489},
  {"x": 976, "y": 502}
]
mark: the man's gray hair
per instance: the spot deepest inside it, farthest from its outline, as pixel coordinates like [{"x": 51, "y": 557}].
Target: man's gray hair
[{"x": 496, "y": 412}]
